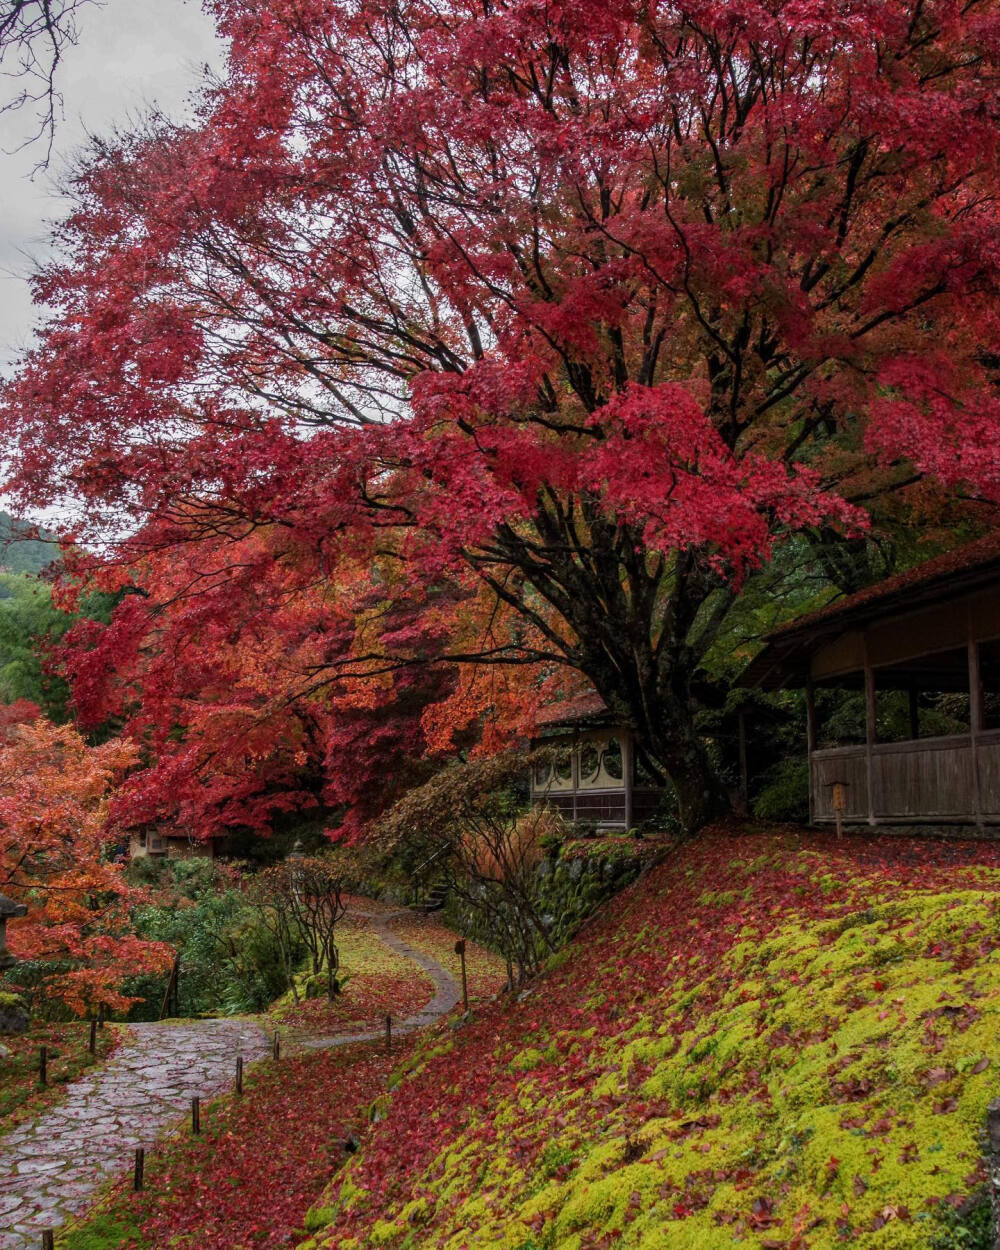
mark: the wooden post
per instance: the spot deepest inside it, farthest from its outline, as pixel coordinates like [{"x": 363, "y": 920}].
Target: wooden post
[
  {"x": 140, "y": 1167},
  {"x": 810, "y": 740},
  {"x": 388, "y": 1035},
  {"x": 196, "y": 1115},
  {"x": 460, "y": 951},
  {"x": 276, "y": 1046},
  {"x": 48, "y": 1239},
  {"x": 170, "y": 994},
  {"x": 839, "y": 803},
  {"x": 870, "y": 728},
  {"x": 573, "y": 770},
  {"x": 239, "y": 1074},
  {"x": 976, "y": 721},
  {"x": 92, "y": 1044},
  {"x": 43, "y": 1066}
]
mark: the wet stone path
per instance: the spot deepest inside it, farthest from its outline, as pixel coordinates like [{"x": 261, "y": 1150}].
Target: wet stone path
[{"x": 50, "y": 1167}]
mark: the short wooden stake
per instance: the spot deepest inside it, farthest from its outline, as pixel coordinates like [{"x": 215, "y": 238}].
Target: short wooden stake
[
  {"x": 239, "y": 1074},
  {"x": 140, "y": 1167},
  {"x": 48, "y": 1240},
  {"x": 92, "y": 1044},
  {"x": 276, "y": 1048},
  {"x": 195, "y": 1115},
  {"x": 388, "y": 1035},
  {"x": 839, "y": 805},
  {"x": 460, "y": 951},
  {"x": 43, "y": 1066}
]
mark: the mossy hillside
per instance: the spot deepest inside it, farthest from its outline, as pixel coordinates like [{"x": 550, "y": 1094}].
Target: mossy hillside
[{"x": 802, "y": 1060}]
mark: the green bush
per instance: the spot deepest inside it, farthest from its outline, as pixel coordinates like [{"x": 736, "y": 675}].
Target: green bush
[
  {"x": 969, "y": 1226},
  {"x": 784, "y": 794},
  {"x": 230, "y": 962}
]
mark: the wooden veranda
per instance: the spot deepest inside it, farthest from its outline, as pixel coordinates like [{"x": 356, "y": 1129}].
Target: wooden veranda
[{"x": 914, "y": 644}]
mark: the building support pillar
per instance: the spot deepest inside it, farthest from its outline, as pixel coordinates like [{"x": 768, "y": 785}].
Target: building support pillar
[{"x": 870, "y": 730}]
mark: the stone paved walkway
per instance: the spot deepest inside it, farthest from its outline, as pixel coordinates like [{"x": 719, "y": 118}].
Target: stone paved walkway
[{"x": 50, "y": 1168}]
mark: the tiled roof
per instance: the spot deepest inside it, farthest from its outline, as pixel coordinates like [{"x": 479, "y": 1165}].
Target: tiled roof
[
  {"x": 979, "y": 554},
  {"x": 786, "y": 655},
  {"x": 581, "y": 707}
]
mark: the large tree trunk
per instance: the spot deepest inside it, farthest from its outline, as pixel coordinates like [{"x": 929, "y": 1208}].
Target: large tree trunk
[
  {"x": 644, "y": 664},
  {"x": 682, "y": 756}
]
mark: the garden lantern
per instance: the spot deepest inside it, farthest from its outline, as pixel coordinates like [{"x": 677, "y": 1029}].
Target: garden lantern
[
  {"x": 294, "y": 859},
  {"x": 8, "y": 908}
]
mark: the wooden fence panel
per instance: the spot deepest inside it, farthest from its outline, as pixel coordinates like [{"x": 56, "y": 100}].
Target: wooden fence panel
[
  {"x": 847, "y": 766},
  {"x": 929, "y": 779}
]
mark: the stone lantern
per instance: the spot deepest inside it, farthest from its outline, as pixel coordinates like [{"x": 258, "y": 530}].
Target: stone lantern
[
  {"x": 294, "y": 859},
  {"x": 8, "y": 908}
]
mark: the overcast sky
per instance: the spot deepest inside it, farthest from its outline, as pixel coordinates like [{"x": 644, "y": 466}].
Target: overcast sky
[{"x": 131, "y": 54}]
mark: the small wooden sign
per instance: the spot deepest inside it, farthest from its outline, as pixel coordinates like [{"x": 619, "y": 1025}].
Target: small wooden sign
[
  {"x": 460, "y": 946},
  {"x": 839, "y": 798}
]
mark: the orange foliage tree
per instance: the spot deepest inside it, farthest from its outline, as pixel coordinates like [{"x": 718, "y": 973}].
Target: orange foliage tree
[{"x": 76, "y": 944}]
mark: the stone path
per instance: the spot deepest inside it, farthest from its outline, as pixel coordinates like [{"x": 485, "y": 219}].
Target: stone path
[
  {"x": 446, "y": 990},
  {"x": 50, "y": 1168}
]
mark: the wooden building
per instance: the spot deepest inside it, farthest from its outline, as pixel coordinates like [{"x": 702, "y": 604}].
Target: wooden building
[
  {"x": 922, "y": 651},
  {"x": 594, "y": 777},
  {"x": 163, "y": 841}
]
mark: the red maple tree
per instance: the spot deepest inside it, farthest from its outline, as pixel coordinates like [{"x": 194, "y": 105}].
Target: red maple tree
[
  {"x": 269, "y": 690},
  {"x": 583, "y": 305},
  {"x": 55, "y": 856}
]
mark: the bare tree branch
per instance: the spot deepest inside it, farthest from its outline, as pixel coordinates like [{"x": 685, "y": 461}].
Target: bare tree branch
[{"x": 34, "y": 34}]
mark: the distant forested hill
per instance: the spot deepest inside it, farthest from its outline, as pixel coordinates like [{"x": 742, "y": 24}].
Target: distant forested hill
[{"x": 23, "y": 555}]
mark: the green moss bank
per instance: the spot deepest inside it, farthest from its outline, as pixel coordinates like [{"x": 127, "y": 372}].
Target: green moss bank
[{"x": 770, "y": 1045}]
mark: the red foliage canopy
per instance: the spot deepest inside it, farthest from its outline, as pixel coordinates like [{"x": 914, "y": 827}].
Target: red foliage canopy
[
  {"x": 584, "y": 305},
  {"x": 54, "y": 844}
]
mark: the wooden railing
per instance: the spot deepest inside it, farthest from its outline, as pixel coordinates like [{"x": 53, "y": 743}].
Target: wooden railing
[{"x": 950, "y": 780}]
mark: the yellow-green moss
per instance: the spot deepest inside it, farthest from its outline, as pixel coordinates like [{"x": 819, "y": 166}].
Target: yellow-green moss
[{"x": 833, "y": 1075}]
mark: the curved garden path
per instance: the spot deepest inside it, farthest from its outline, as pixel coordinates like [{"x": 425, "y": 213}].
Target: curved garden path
[
  {"x": 446, "y": 990},
  {"x": 50, "y": 1167}
]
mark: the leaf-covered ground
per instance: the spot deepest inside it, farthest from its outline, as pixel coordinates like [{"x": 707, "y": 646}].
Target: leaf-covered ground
[
  {"x": 770, "y": 1041},
  {"x": 259, "y": 1163},
  {"x": 21, "y": 1095},
  {"x": 264, "y": 1159},
  {"x": 485, "y": 971},
  {"x": 378, "y": 982}
]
